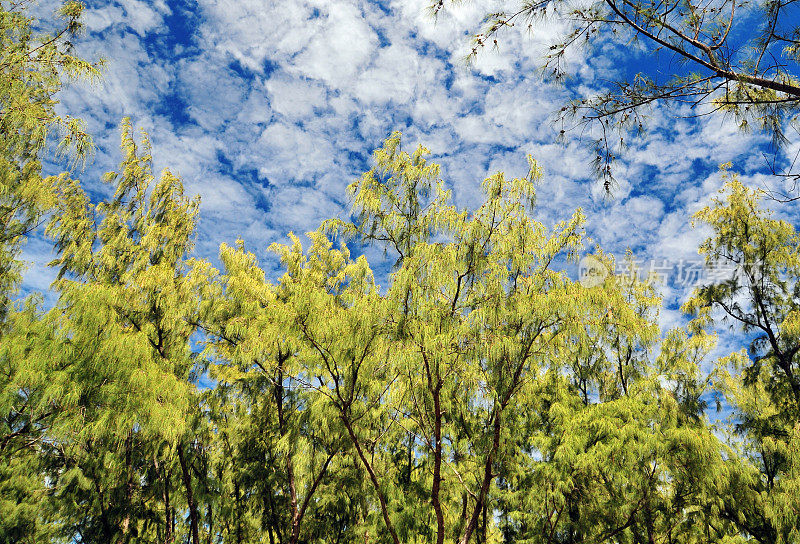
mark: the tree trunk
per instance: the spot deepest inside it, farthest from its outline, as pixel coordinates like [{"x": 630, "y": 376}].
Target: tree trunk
[
  {"x": 210, "y": 519},
  {"x": 168, "y": 529},
  {"x": 437, "y": 463},
  {"x": 651, "y": 539},
  {"x": 293, "y": 504},
  {"x": 126, "y": 521},
  {"x": 483, "y": 526},
  {"x": 274, "y": 526},
  {"x": 487, "y": 480},
  {"x": 187, "y": 484},
  {"x": 373, "y": 478},
  {"x": 238, "y": 497}
]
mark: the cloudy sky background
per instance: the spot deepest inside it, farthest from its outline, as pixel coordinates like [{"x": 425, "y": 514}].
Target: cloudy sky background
[{"x": 269, "y": 109}]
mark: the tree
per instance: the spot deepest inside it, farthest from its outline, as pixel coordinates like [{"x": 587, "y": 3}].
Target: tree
[
  {"x": 284, "y": 451},
  {"x": 734, "y": 57},
  {"x": 762, "y": 384},
  {"x": 481, "y": 329},
  {"x": 482, "y": 396},
  {"x": 128, "y": 298},
  {"x": 427, "y": 402},
  {"x": 33, "y": 68}
]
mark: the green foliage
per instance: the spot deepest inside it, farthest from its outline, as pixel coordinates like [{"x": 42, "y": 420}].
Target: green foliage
[
  {"x": 100, "y": 391},
  {"x": 762, "y": 383},
  {"x": 481, "y": 396},
  {"x": 32, "y": 68}
]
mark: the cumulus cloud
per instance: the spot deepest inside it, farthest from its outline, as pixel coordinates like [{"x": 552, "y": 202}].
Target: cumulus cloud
[{"x": 268, "y": 110}]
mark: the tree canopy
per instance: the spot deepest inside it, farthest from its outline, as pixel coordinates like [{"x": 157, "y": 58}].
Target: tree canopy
[{"x": 482, "y": 395}]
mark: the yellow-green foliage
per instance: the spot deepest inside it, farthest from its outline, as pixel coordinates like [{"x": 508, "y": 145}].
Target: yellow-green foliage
[
  {"x": 482, "y": 395},
  {"x": 761, "y": 383},
  {"x": 32, "y": 68}
]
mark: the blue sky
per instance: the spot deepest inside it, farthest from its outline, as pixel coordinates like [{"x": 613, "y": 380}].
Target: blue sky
[{"x": 268, "y": 110}]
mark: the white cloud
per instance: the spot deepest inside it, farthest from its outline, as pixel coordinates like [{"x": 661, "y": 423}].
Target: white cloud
[
  {"x": 339, "y": 49},
  {"x": 142, "y": 16},
  {"x": 295, "y": 98},
  {"x": 286, "y": 99},
  {"x": 97, "y": 20}
]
